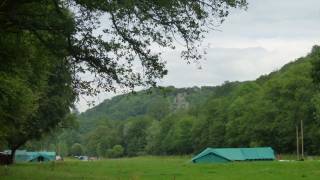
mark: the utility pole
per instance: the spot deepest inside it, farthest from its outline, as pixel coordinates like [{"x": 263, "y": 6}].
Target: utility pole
[
  {"x": 297, "y": 136},
  {"x": 302, "y": 148}
]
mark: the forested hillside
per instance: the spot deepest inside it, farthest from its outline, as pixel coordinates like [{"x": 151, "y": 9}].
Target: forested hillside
[
  {"x": 168, "y": 120},
  {"x": 157, "y": 103}
]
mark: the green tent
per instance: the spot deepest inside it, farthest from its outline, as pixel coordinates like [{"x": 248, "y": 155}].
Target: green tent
[
  {"x": 212, "y": 155},
  {"x": 41, "y": 156},
  {"x": 26, "y": 156}
]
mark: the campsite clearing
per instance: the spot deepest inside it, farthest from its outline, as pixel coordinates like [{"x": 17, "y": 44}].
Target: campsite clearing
[{"x": 161, "y": 168}]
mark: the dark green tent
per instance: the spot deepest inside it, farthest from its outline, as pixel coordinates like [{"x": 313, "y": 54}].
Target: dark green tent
[{"x": 212, "y": 155}]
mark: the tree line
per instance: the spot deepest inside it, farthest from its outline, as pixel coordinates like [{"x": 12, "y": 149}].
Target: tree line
[{"x": 172, "y": 121}]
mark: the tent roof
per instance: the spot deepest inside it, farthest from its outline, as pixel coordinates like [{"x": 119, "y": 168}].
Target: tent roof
[
  {"x": 46, "y": 155},
  {"x": 18, "y": 152},
  {"x": 239, "y": 154}
]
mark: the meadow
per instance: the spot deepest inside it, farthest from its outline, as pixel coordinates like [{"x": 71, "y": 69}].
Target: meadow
[{"x": 161, "y": 168}]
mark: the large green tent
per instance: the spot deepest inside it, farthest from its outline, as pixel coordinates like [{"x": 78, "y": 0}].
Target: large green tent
[
  {"x": 212, "y": 155},
  {"x": 41, "y": 156}
]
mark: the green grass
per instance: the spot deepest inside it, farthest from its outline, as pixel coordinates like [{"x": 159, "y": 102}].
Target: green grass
[
  {"x": 161, "y": 168},
  {"x": 294, "y": 157}
]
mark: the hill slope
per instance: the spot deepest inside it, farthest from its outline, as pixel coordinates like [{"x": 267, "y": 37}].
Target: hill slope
[{"x": 157, "y": 103}]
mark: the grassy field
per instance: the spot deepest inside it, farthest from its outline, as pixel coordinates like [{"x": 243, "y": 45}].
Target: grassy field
[{"x": 161, "y": 168}]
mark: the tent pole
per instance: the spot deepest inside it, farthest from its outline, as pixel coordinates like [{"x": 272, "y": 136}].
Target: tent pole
[
  {"x": 297, "y": 136},
  {"x": 302, "y": 148}
]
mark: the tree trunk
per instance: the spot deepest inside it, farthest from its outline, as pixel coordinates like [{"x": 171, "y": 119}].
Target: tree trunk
[
  {"x": 12, "y": 155},
  {"x": 302, "y": 145},
  {"x": 13, "y": 146}
]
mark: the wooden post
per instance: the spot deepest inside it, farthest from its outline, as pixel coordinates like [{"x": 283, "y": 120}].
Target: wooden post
[
  {"x": 297, "y": 136},
  {"x": 302, "y": 148},
  {"x": 59, "y": 150}
]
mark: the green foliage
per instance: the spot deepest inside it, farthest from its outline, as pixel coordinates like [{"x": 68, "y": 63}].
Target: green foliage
[
  {"x": 116, "y": 151},
  {"x": 155, "y": 102},
  {"x": 72, "y": 29},
  {"x": 101, "y": 139},
  {"x": 62, "y": 149},
  {"x": 316, "y": 64},
  {"x": 76, "y": 150},
  {"x": 135, "y": 135},
  {"x": 36, "y": 89}
]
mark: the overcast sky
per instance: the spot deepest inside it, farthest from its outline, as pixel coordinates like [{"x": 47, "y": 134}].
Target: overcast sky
[{"x": 248, "y": 44}]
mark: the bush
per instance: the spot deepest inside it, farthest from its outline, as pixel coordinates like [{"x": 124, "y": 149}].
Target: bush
[
  {"x": 116, "y": 151},
  {"x": 76, "y": 149}
]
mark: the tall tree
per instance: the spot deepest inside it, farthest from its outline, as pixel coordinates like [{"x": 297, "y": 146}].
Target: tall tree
[
  {"x": 135, "y": 135},
  {"x": 36, "y": 89}
]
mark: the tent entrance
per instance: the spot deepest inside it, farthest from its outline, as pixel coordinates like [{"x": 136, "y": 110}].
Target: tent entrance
[{"x": 40, "y": 159}]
